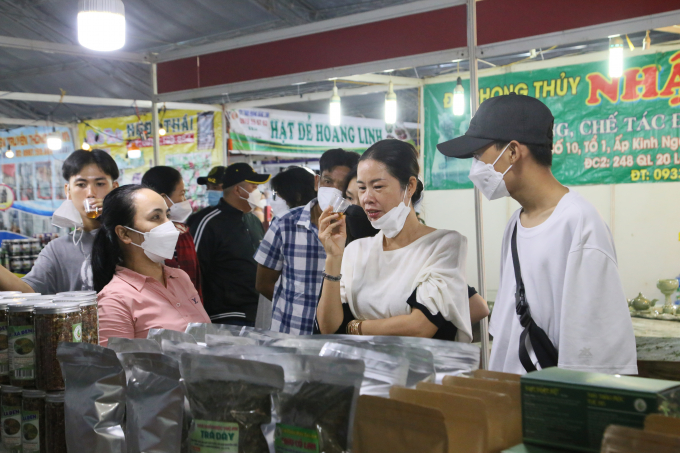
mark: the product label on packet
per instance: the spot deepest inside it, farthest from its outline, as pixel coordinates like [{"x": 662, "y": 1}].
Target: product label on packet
[
  {"x": 11, "y": 426},
  {"x": 291, "y": 439},
  {"x": 22, "y": 352},
  {"x": 77, "y": 333},
  {"x": 4, "y": 353},
  {"x": 214, "y": 437},
  {"x": 30, "y": 432}
]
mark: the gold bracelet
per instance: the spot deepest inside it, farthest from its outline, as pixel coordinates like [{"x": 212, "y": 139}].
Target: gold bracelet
[{"x": 354, "y": 327}]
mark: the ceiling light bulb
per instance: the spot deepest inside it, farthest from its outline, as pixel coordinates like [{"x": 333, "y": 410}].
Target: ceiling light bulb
[
  {"x": 101, "y": 24},
  {"x": 615, "y": 57},
  {"x": 86, "y": 146},
  {"x": 162, "y": 131},
  {"x": 134, "y": 152},
  {"x": 9, "y": 153},
  {"x": 335, "y": 108},
  {"x": 54, "y": 140},
  {"x": 390, "y": 105},
  {"x": 459, "y": 98}
]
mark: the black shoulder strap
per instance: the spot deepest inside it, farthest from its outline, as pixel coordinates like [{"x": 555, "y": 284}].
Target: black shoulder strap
[{"x": 546, "y": 353}]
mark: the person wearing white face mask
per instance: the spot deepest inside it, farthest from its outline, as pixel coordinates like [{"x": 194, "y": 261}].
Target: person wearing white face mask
[
  {"x": 168, "y": 182},
  {"x": 64, "y": 265},
  {"x": 291, "y": 258},
  {"x": 137, "y": 292},
  {"x": 409, "y": 279},
  {"x": 558, "y": 261},
  {"x": 227, "y": 236}
]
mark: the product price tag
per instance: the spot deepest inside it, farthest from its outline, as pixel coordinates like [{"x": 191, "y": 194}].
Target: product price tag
[
  {"x": 22, "y": 352},
  {"x": 214, "y": 437},
  {"x": 291, "y": 439},
  {"x": 30, "y": 432},
  {"x": 11, "y": 426}
]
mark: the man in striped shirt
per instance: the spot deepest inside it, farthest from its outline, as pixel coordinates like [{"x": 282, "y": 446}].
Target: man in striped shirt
[{"x": 227, "y": 237}]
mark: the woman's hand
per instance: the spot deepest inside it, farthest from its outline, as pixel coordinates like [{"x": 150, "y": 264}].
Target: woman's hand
[{"x": 332, "y": 232}]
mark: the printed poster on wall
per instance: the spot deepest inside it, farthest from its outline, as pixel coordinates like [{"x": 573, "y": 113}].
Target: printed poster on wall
[
  {"x": 192, "y": 144},
  {"x": 606, "y": 131},
  {"x": 31, "y": 184},
  {"x": 283, "y": 132}
]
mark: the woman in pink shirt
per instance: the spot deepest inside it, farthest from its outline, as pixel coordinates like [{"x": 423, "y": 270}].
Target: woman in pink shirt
[{"x": 137, "y": 292}]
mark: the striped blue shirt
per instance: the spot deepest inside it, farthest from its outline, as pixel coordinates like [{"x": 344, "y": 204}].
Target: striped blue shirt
[{"x": 292, "y": 246}]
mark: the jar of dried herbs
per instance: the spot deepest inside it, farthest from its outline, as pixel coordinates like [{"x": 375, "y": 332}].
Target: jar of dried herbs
[
  {"x": 54, "y": 323},
  {"x": 10, "y": 405},
  {"x": 4, "y": 351},
  {"x": 55, "y": 423},
  {"x": 33, "y": 421},
  {"x": 21, "y": 343},
  {"x": 90, "y": 314}
]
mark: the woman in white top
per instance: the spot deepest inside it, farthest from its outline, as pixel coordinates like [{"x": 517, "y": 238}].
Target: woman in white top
[{"x": 409, "y": 279}]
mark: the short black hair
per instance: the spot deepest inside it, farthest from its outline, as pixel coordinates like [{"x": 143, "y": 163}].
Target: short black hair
[
  {"x": 336, "y": 158},
  {"x": 542, "y": 154},
  {"x": 401, "y": 160},
  {"x": 162, "y": 179},
  {"x": 295, "y": 185},
  {"x": 81, "y": 159}
]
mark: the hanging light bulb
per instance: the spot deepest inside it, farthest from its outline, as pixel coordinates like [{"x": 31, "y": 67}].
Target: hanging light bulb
[
  {"x": 615, "y": 56},
  {"x": 85, "y": 146},
  {"x": 9, "y": 153},
  {"x": 54, "y": 140},
  {"x": 646, "y": 41},
  {"x": 161, "y": 130},
  {"x": 459, "y": 98},
  {"x": 335, "y": 108},
  {"x": 390, "y": 105},
  {"x": 134, "y": 152},
  {"x": 101, "y": 24}
]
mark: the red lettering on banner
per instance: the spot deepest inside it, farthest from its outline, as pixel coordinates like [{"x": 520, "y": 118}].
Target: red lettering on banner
[
  {"x": 632, "y": 83},
  {"x": 600, "y": 85},
  {"x": 670, "y": 90}
]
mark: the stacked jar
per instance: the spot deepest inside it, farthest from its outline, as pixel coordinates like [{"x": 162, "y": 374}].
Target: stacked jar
[
  {"x": 21, "y": 342},
  {"x": 55, "y": 421},
  {"x": 54, "y": 323},
  {"x": 90, "y": 315},
  {"x": 4, "y": 349},
  {"x": 33, "y": 421},
  {"x": 10, "y": 405}
]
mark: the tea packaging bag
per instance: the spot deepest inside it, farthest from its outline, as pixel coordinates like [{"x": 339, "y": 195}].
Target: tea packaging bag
[
  {"x": 95, "y": 380},
  {"x": 466, "y": 418},
  {"x": 622, "y": 439},
  {"x": 219, "y": 340},
  {"x": 120, "y": 345},
  {"x": 511, "y": 389},
  {"x": 382, "y": 370},
  {"x": 497, "y": 406},
  {"x": 199, "y": 330},
  {"x": 390, "y": 426},
  {"x": 175, "y": 349},
  {"x": 166, "y": 334},
  {"x": 230, "y": 400},
  {"x": 661, "y": 424},
  {"x": 155, "y": 403}
]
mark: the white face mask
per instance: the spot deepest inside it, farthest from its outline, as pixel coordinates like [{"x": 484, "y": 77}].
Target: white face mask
[
  {"x": 253, "y": 199},
  {"x": 393, "y": 222},
  {"x": 67, "y": 216},
  {"x": 326, "y": 195},
  {"x": 279, "y": 206},
  {"x": 159, "y": 243},
  {"x": 179, "y": 212},
  {"x": 489, "y": 181}
]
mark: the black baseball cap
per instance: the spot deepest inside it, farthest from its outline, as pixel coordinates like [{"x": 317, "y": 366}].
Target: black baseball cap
[
  {"x": 214, "y": 176},
  {"x": 236, "y": 173},
  {"x": 503, "y": 118}
]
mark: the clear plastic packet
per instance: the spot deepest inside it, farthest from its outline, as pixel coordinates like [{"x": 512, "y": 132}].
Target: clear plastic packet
[
  {"x": 222, "y": 340},
  {"x": 230, "y": 400},
  {"x": 95, "y": 380},
  {"x": 166, "y": 334},
  {"x": 199, "y": 330},
  {"x": 245, "y": 351},
  {"x": 266, "y": 336},
  {"x": 317, "y": 404},
  {"x": 175, "y": 349},
  {"x": 155, "y": 403},
  {"x": 382, "y": 371},
  {"x": 121, "y": 345},
  {"x": 312, "y": 344},
  {"x": 450, "y": 357}
]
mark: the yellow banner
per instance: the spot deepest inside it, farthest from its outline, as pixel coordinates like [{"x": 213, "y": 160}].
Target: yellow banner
[{"x": 192, "y": 144}]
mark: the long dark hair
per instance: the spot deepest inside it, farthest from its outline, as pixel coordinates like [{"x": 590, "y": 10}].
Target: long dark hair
[
  {"x": 119, "y": 209},
  {"x": 162, "y": 179},
  {"x": 348, "y": 179},
  {"x": 401, "y": 160}
]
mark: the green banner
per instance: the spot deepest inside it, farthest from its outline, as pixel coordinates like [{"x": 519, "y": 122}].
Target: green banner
[{"x": 607, "y": 131}]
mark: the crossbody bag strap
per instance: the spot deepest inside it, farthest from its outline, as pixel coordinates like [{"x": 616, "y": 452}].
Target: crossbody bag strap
[{"x": 545, "y": 351}]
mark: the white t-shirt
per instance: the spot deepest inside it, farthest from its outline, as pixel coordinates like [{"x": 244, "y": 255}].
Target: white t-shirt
[
  {"x": 573, "y": 289},
  {"x": 377, "y": 283}
]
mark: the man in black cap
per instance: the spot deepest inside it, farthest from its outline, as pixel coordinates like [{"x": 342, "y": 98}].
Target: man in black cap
[
  {"x": 560, "y": 299},
  {"x": 227, "y": 237}
]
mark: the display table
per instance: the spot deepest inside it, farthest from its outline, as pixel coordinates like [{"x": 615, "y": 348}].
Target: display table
[{"x": 658, "y": 348}]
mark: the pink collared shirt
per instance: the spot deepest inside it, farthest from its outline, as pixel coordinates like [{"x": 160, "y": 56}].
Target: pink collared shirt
[{"x": 133, "y": 303}]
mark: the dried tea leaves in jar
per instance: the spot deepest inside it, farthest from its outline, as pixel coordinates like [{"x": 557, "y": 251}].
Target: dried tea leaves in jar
[
  {"x": 33, "y": 422},
  {"x": 10, "y": 405},
  {"x": 21, "y": 336},
  {"x": 230, "y": 400},
  {"x": 55, "y": 421},
  {"x": 54, "y": 324}
]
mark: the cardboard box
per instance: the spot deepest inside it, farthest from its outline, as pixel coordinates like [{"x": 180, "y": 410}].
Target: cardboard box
[{"x": 571, "y": 409}]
